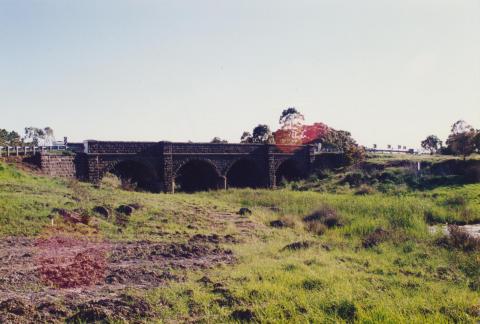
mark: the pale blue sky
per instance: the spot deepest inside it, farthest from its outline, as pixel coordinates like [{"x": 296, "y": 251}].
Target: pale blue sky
[{"x": 389, "y": 71}]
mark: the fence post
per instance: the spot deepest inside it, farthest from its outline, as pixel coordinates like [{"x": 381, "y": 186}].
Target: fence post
[
  {"x": 8, "y": 150},
  {"x": 1, "y": 148},
  {"x": 25, "y": 150},
  {"x": 34, "y": 147},
  {"x": 16, "y": 150}
]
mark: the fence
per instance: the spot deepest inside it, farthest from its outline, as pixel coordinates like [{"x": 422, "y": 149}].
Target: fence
[{"x": 29, "y": 150}]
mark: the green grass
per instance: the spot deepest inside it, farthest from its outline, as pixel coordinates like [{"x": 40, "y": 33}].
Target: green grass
[
  {"x": 385, "y": 158},
  {"x": 406, "y": 279}
]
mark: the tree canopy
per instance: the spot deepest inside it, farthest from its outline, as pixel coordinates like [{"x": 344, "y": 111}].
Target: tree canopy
[
  {"x": 463, "y": 139},
  {"x": 432, "y": 143}
]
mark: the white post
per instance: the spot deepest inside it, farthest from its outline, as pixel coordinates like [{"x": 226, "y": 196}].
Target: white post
[
  {"x": 25, "y": 150},
  {"x": 16, "y": 149},
  {"x": 34, "y": 147},
  {"x": 8, "y": 150},
  {"x": 1, "y": 148}
]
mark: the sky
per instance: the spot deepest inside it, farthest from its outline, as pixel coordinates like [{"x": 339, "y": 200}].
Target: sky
[{"x": 388, "y": 71}]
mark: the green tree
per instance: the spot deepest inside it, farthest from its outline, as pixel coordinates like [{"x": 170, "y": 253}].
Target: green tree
[
  {"x": 291, "y": 116},
  {"x": 432, "y": 143},
  {"x": 246, "y": 138},
  {"x": 462, "y": 139},
  {"x": 291, "y": 127},
  {"x": 218, "y": 140},
  {"x": 476, "y": 140},
  {"x": 342, "y": 140},
  {"x": 262, "y": 134},
  {"x": 3, "y": 137},
  {"x": 39, "y": 136},
  {"x": 11, "y": 138}
]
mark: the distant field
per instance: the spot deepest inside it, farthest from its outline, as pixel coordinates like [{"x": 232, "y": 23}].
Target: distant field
[
  {"x": 365, "y": 257},
  {"x": 416, "y": 157}
]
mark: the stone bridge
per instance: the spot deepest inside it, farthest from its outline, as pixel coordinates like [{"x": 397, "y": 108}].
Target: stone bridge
[{"x": 166, "y": 166}]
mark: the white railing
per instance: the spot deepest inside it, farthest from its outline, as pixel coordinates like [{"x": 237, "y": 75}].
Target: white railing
[{"x": 29, "y": 150}]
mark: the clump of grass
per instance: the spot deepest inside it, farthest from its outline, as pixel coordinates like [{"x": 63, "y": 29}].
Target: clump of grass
[{"x": 110, "y": 181}]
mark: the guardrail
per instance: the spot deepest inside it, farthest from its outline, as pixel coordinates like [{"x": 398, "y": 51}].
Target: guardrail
[{"x": 29, "y": 150}]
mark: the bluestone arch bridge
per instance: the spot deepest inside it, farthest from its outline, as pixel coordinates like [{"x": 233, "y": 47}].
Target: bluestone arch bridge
[{"x": 167, "y": 166}]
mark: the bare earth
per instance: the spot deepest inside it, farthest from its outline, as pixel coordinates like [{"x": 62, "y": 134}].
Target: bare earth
[{"x": 61, "y": 278}]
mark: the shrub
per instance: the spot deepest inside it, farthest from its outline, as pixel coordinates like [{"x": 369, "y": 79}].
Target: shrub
[
  {"x": 364, "y": 190},
  {"x": 325, "y": 215},
  {"x": 316, "y": 228},
  {"x": 355, "y": 179},
  {"x": 285, "y": 221},
  {"x": 461, "y": 239},
  {"x": 345, "y": 309},
  {"x": 378, "y": 236},
  {"x": 456, "y": 201},
  {"x": 312, "y": 284}
]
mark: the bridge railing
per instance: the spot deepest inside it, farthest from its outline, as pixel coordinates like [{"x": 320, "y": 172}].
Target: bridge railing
[
  {"x": 29, "y": 150},
  {"x": 329, "y": 150}
]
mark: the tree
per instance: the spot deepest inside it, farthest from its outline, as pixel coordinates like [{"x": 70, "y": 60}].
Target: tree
[
  {"x": 461, "y": 127},
  {"x": 291, "y": 128},
  {"x": 314, "y": 133},
  {"x": 246, "y": 138},
  {"x": 218, "y": 140},
  {"x": 432, "y": 143},
  {"x": 3, "y": 137},
  {"x": 262, "y": 134},
  {"x": 39, "y": 136},
  {"x": 476, "y": 140},
  {"x": 11, "y": 138},
  {"x": 462, "y": 139},
  {"x": 291, "y": 116},
  {"x": 49, "y": 137},
  {"x": 340, "y": 140}
]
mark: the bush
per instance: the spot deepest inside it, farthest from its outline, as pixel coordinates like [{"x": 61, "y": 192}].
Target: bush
[
  {"x": 461, "y": 239},
  {"x": 378, "y": 236},
  {"x": 364, "y": 190},
  {"x": 345, "y": 309},
  {"x": 312, "y": 284},
  {"x": 456, "y": 201},
  {"x": 325, "y": 215},
  {"x": 316, "y": 228},
  {"x": 355, "y": 179}
]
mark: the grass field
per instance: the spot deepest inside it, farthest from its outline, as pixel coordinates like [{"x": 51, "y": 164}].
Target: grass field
[{"x": 373, "y": 261}]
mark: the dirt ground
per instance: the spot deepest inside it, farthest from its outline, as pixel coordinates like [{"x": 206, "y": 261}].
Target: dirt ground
[{"x": 60, "y": 278}]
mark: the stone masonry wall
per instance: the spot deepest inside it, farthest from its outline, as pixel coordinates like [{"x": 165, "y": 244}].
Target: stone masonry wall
[{"x": 65, "y": 166}]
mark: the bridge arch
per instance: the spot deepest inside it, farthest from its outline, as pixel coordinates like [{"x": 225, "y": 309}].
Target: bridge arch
[
  {"x": 197, "y": 175},
  {"x": 140, "y": 175},
  {"x": 288, "y": 170},
  {"x": 245, "y": 173}
]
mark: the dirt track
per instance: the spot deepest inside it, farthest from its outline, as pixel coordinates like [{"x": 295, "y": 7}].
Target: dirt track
[{"x": 60, "y": 278}]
